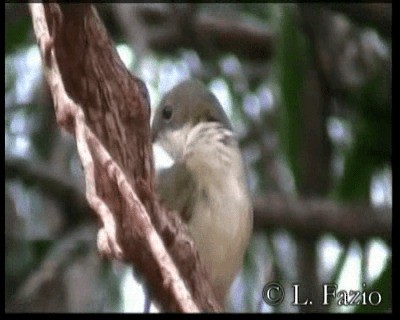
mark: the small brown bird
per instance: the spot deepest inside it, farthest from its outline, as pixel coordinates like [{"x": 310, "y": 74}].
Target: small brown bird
[{"x": 207, "y": 182}]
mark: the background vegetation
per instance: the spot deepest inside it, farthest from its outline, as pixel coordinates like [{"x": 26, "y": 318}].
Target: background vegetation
[{"x": 308, "y": 88}]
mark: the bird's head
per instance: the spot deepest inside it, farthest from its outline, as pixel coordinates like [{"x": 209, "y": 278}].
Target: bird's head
[{"x": 182, "y": 108}]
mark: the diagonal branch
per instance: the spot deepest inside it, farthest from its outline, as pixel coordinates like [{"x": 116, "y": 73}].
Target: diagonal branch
[
  {"x": 59, "y": 257},
  {"x": 107, "y": 109}
]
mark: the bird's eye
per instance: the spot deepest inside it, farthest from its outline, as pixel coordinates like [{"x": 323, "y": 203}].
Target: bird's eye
[
  {"x": 210, "y": 118},
  {"x": 167, "y": 112}
]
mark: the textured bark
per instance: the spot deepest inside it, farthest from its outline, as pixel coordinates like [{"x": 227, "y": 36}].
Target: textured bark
[{"x": 107, "y": 109}]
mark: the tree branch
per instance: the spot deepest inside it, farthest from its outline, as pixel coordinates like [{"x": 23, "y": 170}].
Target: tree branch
[
  {"x": 211, "y": 34},
  {"x": 313, "y": 217},
  {"x": 59, "y": 257},
  {"x": 275, "y": 211},
  {"x": 107, "y": 110},
  {"x": 376, "y": 15},
  {"x": 54, "y": 186}
]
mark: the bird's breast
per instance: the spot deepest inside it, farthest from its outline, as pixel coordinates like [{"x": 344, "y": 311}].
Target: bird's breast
[
  {"x": 220, "y": 227},
  {"x": 221, "y": 219}
]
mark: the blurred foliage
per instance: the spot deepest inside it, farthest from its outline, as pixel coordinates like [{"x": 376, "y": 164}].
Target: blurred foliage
[
  {"x": 16, "y": 34},
  {"x": 292, "y": 59},
  {"x": 381, "y": 288},
  {"x": 367, "y": 111},
  {"x": 372, "y": 148}
]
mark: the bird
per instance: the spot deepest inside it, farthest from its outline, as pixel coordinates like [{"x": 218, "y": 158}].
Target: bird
[{"x": 207, "y": 182}]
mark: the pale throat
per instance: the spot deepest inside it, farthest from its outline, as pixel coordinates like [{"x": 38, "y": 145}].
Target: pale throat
[{"x": 174, "y": 140}]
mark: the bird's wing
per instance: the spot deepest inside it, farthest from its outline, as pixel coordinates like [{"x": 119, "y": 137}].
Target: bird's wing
[
  {"x": 209, "y": 147},
  {"x": 206, "y": 159},
  {"x": 177, "y": 188}
]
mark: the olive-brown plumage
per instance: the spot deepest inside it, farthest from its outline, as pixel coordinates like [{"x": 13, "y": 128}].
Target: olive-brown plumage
[{"x": 207, "y": 182}]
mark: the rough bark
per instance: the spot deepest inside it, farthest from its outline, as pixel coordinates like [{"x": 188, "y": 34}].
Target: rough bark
[{"x": 107, "y": 109}]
